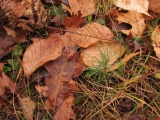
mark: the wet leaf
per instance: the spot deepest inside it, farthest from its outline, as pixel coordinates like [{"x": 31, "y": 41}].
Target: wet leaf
[
  {"x": 5, "y": 82},
  {"x": 41, "y": 52}
]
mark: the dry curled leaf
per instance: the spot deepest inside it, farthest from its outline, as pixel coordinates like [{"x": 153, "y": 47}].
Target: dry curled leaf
[
  {"x": 91, "y": 34},
  {"x": 156, "y": 40},
  {"x": 140, "y": 6},
  {"x": 28, "y": 106},
  {"x": 41, "y": 52},
  {"x": 135, "y": 19},
  {"x": 112, "y": 51},
  {"x": 87, "y": 7}
]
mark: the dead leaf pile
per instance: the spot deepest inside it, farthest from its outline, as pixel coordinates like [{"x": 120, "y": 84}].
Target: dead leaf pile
[
  {"x": 59, "y": 53},
  {"x": 22, "y": 12}
]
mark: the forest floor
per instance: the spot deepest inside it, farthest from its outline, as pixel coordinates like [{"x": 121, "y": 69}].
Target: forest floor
[{"x": 79, "y": 59}]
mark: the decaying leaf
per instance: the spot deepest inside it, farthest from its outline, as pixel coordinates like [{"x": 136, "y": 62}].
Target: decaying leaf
[
  {"x": 112, "y": 51},
  {"x": 8, "y": 37},
  {"x": 71, "y": 24},
  {"x": 156, "y": 40},
  {"x": 43, "y": 90},
  {"x": 79, "y": 68},
  {"x": 41, "y": 52},
  {"x": 5, "y": 82},
  {"x": 65, "y": 112},
  {"x": 87, "y": 7},
  {"x": 27, "y": 11},
  {"x": 135, "y": 19},
  {"x": 91, "y": 34},
  {"x": 135, "y": 5},
  {"x": 60, "y": 83},
  {"x": 154, "y": 6},
  {"x": 28, "y": 106}
]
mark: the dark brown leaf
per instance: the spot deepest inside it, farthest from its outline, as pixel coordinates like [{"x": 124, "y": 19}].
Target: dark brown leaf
[{"x": 60, "y": 83}]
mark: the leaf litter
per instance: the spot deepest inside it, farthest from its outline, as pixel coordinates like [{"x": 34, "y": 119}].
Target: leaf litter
[{"x": 69, "y": 50}]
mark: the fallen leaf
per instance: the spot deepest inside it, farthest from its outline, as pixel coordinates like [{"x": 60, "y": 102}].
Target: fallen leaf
[
  {"x": 135, "y": 5},
  {"x": 65, "y": 112},
  {"x": 73, "y": 22},
  {"x": 79, "y": 68},
  {"x": 43, "y": 90},
  {"x": 60, "y": 83},
  {"x": 112, "y": 51},
  {"x": 28, "y": 106},
  {"x": 156, "y": 40},
  {"x": 70, "y": 46},
  {"x": 57, "y": 20},
  {"x": 87, "y": 7},
  {"x": 154, "y": 6},
  {"x": 41, "y": 52},
  {"x": 5, "y": 82},
  {"x": 27, "y": 11},
  {"x": 91, "y": 34},
  {"x": 135, "y": 19},
  {"x": 137, "y": 46},
  {"x": 10, "y": 31},
  {"x": 7, "y": 39}
]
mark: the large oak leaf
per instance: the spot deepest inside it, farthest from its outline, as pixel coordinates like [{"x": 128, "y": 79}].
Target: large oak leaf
[
  {"x": 60, "y": 84},
  {"x": 41, "y": 52},
  {"x": 5, "y": 82},
  {"x": 91, "y": 34}
]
